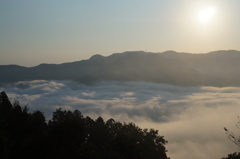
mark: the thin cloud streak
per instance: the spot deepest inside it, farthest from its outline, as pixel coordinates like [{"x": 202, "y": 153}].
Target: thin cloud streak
[{"x": 191, "y": 118}]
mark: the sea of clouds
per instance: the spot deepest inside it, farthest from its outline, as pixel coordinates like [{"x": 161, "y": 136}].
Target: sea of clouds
[{"x": 190, "y": 118}]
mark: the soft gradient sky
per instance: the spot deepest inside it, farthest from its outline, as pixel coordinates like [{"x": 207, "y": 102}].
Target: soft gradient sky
[{"x": 57, "y": 31}]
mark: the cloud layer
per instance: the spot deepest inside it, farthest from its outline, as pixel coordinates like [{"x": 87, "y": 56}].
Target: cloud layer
[{"x": 190, "y": 118}]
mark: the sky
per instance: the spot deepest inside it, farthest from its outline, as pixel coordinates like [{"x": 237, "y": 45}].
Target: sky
[
  {"x": 191, "y": 119},
  {"x": 58, "y": 31}
]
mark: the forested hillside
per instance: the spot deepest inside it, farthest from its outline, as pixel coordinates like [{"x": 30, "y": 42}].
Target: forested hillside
[{"x": 70, "y": 135}]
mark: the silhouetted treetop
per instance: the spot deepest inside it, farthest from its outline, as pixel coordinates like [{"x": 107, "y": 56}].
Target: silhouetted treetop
[
  {"x": 235, "y": 139},
  {"x": 70, "y": 135},
  {"x": 234, "y": 155}
]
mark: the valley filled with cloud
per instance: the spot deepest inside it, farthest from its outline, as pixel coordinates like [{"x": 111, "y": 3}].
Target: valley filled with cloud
[{"x": 191, "y": 118}]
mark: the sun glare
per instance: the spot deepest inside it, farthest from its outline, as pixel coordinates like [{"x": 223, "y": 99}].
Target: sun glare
[{"x": 207, "y": 14}]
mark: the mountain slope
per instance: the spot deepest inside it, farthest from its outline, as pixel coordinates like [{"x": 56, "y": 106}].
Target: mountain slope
[{"x": 219, "y": 68}]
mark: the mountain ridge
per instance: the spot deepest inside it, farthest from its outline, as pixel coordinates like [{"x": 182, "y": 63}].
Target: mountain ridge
[{"x": 217, "y": 68}]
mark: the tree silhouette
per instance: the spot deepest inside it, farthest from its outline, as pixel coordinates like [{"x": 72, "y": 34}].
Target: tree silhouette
[
  {"x": 21, "y": 133},
  {"x": 232, "y": 156},
  {"x": 66, "y": 134},
  {"x": 71, "y": 135},
  {"x": 235, "y": 139},
  {"x": 231, "y": 136}
]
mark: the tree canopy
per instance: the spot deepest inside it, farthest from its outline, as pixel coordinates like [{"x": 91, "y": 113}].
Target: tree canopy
[{"x": 70, "y": 135}]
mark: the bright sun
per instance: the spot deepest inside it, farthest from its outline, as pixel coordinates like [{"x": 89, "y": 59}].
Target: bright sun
[{"x": 207, "y": 14}]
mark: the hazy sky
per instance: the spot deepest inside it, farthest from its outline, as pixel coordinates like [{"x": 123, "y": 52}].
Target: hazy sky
[{"x": 57, "y": 31}]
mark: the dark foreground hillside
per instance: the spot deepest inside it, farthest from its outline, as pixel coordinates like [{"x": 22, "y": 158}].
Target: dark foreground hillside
[{"x": 70, "y": 135}]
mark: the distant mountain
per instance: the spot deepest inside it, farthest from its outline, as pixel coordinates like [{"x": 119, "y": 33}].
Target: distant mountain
[{"x": 219, "y": 68}]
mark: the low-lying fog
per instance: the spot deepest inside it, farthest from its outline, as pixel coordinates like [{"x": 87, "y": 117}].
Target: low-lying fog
[{"x": 190, "y": 118}]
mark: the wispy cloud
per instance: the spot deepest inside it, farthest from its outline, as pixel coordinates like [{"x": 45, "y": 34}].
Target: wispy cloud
[{"x": 191, "y": 118}]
